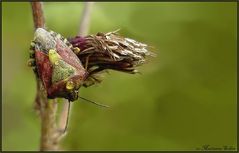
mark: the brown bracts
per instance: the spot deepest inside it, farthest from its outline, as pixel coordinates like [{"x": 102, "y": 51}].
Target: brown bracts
[{"x": 109, "y": 51}]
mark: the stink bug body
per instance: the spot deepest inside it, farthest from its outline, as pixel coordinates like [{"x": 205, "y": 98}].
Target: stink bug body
[{"x": 57, "y": 65}]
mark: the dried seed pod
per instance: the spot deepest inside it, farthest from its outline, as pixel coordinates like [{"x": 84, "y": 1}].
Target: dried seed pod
[
  {"x": 109, "y": 51},
  {"x": 57, "y": 65}
]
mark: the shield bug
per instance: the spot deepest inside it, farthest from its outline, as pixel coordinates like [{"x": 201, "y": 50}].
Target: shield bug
[{"x": 56, "y": 65}]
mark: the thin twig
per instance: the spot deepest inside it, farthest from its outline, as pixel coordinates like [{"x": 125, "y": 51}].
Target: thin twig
[
  {"x": 83, "y": 30},
  {"x": 38, "y": 17},
  {"x": 85, "y": 19},
  {"x": 63, "y": 120}
]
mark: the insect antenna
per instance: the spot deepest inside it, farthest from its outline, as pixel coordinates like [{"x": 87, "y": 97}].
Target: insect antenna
[
  {"x": 98, "y": 104},
  {"x": 69, "y": 106},
  {"x": 68, "y": 114}
]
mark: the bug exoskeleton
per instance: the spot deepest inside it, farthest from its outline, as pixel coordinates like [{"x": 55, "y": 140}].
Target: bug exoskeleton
[
  {"x": 52, "y": 32},
  {"x": 58, "y": 36},
  {"x": 34, "y": 69},
  {"x": 76, "y": 50},
  {"x": 69, "y": 44},
  {"x": 32, "y": 54},
  {"x": 65, "y": 40},
  {"x": 73, "y": 95},
  {"x": 31, "y": 62},
  {"x": 70, "y": 85},
  {"x": 57, "y": 65},
  {"x": 32, "y": 46}
]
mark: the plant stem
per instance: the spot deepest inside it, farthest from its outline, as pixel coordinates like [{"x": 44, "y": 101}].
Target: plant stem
[
  {"x": 46, "y": 107},
  {"x": 64, "y": 116},
  {"x": 85, "y": 19},
  {"x": 48, "y": 136},
  {"x": 38, "y": 17}
]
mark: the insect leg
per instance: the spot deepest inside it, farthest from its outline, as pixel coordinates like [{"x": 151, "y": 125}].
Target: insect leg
[{"x": 32, "y": 61}]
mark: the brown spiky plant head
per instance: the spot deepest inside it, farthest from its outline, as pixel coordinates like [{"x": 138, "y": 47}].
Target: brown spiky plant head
[{"x": 105, "y": 51}]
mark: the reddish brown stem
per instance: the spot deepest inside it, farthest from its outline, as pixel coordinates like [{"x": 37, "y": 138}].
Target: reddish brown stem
[
  {"x": 38, "y": 17},
  {"x": 47, "y": 108}
]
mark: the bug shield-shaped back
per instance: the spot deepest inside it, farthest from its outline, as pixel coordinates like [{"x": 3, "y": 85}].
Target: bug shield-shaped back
[{"x": 56, "y": 65}]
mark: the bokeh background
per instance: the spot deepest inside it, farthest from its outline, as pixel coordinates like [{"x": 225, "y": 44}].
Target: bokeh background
[{"x": 184, "y": 99}]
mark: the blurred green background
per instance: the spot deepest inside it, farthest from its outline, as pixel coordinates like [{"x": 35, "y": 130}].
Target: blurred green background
[{"x": 185, "y": 98}]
